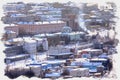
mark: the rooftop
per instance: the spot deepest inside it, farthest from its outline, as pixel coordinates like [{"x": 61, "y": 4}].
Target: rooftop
[
  {"x": 60, "y": 54},
  {"x": 37, "y": 23}
]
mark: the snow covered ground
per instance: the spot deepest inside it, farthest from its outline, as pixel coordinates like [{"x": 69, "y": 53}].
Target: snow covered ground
[{"x": 114, "y": 75}]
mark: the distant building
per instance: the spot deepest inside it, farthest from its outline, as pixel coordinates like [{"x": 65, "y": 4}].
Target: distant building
[
  {"x": 31, "y": 29},
  {"x": 14, "y": 50},
  {"x": 49, "y": 14},
  {"x": 69, "y": 15},
  {"x": 87, "y": 7},
  {"x": 12, "y": 28},
  {"x": 11, "y": 34},
  {"x": 108, "y": 6},
  {"x": 13, "y": 6},
  {"x": 71, "y": 21}
]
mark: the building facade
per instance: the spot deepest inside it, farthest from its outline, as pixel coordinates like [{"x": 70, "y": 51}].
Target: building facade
[{"x": 32, "y": 29}]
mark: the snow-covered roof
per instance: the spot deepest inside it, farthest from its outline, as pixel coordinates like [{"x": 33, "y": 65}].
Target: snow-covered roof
[
  {"x": 21, "y": 55},
  {"x": 54, "y": 61},
  {"x": 8, "y": 31},
  {"x": 90, "y": 50},
  {"x": 98, "y": 59},
  {"x": 29, "y": 40},
  {"x": 17, "y": 15},
  {"x": 15, "y": 40},
  {"x": 60, "y": 54}
]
